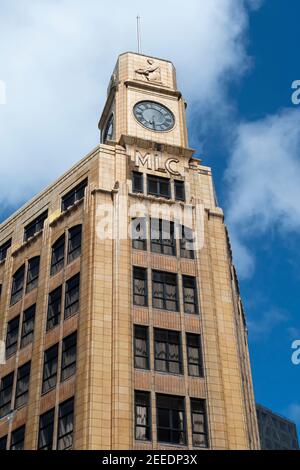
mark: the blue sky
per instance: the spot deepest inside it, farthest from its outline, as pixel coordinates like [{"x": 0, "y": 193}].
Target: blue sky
[
  {"x": 236, "y": 60},
  {"x": 271, "y": 290}
]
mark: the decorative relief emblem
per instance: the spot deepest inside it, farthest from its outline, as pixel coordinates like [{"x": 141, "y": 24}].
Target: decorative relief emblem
[{"x": 151, "y": 73}]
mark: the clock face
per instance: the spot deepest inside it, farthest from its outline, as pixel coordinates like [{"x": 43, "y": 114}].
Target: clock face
[
  {"x": 109, "y": 129},
  {"x": 154, "y": 116}
]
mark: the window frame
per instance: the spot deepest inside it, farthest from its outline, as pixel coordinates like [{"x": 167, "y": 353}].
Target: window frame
[
  {"x": 60, "y": 418},
  {"x": 148, "y": 426},
  {"x": 58, "y": 265},
  {"x": 74, "y": 233},
  {"x": 191, "y": 364},
  {"x": 50, "y": 425},
  {"x": 16, "y": 331},
  {"x": 164, "y": 283},
  {"x": 21, "y": 430},
  {"x": 35, "y": 226},
  {"x": 186, "y": 279},
  {"x": 7, "y": 405},
  {"x": 57, "y": 299},
  {"x": 30, "y": 312},
  {"x": 137, "y": 188},
  {"x": 4, "y": 249},
  {"x": 146, "y": 357},
  {"x": 33, "y": 264},
  {"x": 76, "y": 194},
  {"x": 205, "y": 423},
  {"x": 170, "y": 409},
  {"x": 139, "y": 243},
  {"x": 22, "y": 395},
  {"x": 66, "y": 349},
  {"x": 185, "y": 252},
  {"x": 138, "y": 269},
  {"x": 17, "y": 291},
  {"x": 68, "y": 306},
  {"x": 158, "y": 181},
  {"x": 166, "y": 339},
  {"x": 53, "y": 360},
  {"x": 3, "y": 442},
  {"x": 164, "y": 244},
  {"x": 179, "y": 184}
]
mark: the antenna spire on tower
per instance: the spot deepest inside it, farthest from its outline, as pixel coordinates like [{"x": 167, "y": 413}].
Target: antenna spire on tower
[{"x": 138, "y": 31}]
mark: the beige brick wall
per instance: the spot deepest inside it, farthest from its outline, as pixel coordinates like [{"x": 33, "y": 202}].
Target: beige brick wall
[{"x": 105, "y": 378}]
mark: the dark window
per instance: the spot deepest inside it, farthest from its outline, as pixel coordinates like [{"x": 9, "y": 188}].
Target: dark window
[
  {"x": 3, "y": 442},
  {"x": 35, "y": 226},
  {"x": 142, "y": 416},
  {"x": 50, "y": 368},
  {"x": 73, "y": 196},
  {"x": 74, "y": 243},
  {"x": 22, "y": 387},
  {"x": 4, "y": 249},
  {"x": 194, "y": 355},
  {"x": 165, "y": 290},
  {"x": 28, "y": 326},
  {"x": 65, "y": 425},
  {"x": 167, "y": 351},
  {"x": 12, "y": 336},
  {"x": 158, "y": 186},
  {"x": 72, "y": 296},
  {"x": 140, "y": 296},
  {"x": 139, "y": 234},
  {"x": 33, "y": 273},
  {"x": 46, "y": 429},
  {"x": 137, "y": 182},
  {"x": 17, "y": 285},
  {"x": 68, "y": 365},
  {"x": 141, "y": 347},
  {"x": 179, "y": 190},
  {"x": 17, "y": 439},
  {"x": 6, "y": 394},
  {"x": 171, "y": 426},
  {"x": 162, "y": 237},
  {"x": 187, "y": 243},
  {"x": 190, "y": 294},
  {"x": 199, "y": 423},
  {"x": 58, "y": 255},
  {"x": 54, "y": 308}
]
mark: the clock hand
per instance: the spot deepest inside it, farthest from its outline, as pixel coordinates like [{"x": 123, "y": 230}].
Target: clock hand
[{"x": 153, "y": 121}]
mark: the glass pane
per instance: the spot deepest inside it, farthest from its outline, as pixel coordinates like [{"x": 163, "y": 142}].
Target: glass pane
[
  {"x": 163, "y": 418},
  {"x": 163, "y": 435},
  {"x": 174, "y": 368},
  {"x": 141, "y": 433},
  {"x": 198, "y": 422}
]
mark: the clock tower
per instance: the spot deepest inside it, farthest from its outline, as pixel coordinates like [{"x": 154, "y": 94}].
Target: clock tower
[{"x": 143, "y": 102}]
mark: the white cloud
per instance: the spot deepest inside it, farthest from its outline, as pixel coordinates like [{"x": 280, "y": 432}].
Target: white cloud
[
  {"x": 57, "y": 57},
  {"x": 263, "y": 181}
]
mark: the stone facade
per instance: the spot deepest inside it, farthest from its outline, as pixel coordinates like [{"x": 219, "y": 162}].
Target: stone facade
[{"x": 105, "y": 380}]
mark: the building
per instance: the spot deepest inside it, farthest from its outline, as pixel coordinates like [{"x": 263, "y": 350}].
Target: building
[
  {"x": 114, "y": 342},
  {"x": 275, "y": 431}
]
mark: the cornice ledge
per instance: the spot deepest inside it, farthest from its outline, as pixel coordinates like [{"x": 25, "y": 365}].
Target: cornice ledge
[
  {"x": 173, "y": 150},
  {"x": 104, "y": 191},
  {"x": 152, "y": 87},
  {"x": 160, "y": 200},
  {"x": 66, "y": 213},
  {"x": 217, "y": 212}
]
